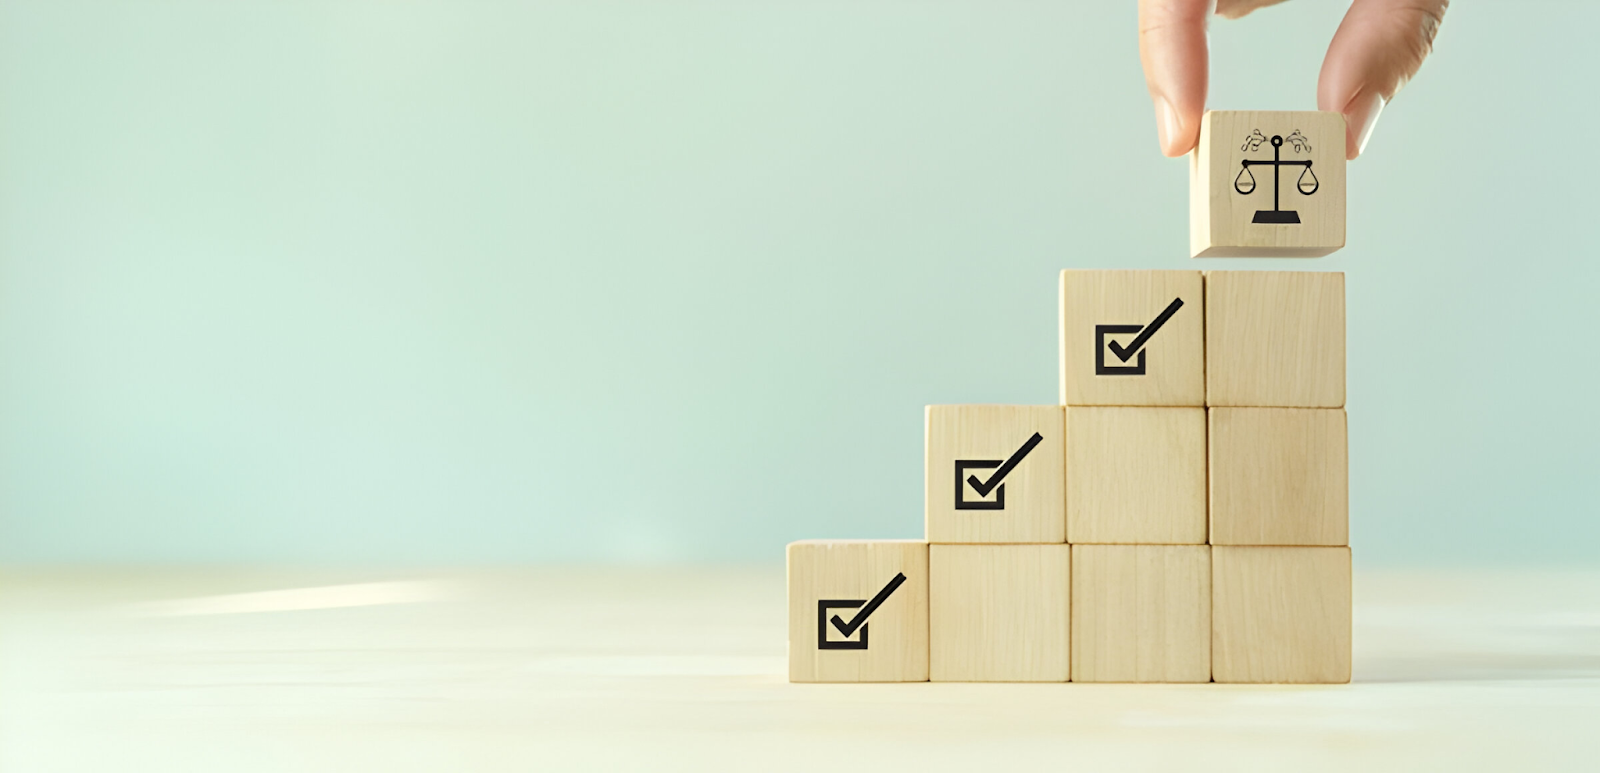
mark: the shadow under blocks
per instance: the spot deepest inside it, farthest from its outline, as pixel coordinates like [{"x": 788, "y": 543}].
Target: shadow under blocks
[{"x": 1181, "y": 516}]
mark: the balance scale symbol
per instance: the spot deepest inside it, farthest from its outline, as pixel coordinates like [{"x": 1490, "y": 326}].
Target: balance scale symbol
[{"x": 1245, "y": 183}]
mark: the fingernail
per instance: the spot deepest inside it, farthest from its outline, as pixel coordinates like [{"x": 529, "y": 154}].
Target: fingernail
[
  {"x": 1166, "y": 124},
  {"x": 1361, "y": 114}
]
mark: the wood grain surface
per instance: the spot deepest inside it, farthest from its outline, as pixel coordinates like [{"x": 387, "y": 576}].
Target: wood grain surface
[
  {"x": 683, "y": 668},
  {"x": 1141, "y": 613},
  {"x": 1280, "y": 614},
  {"x": 999, "y": 613},
  {"x": 1279, "y": 476},
  {"x": 1275, "y": 339},
  {"x": 1136, "y": 475}
]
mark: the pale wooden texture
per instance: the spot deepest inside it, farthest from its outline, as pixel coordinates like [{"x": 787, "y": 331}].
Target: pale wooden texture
[
  {"x": 682, "y": 668},
  {"x": 1141, "y": 613},
  {"x": 1280, "y": 614},
  {"x": 897, "y": 630},
  {"x": 1034, "y": 506},
  {"x": 1279, "y": 476},
  {"x": 1136, "y": 475},
  {"x": 1275, "y": 339},
  {"x": 999, "y": 613},
  {"x": 1174, "y": 354},
  {"x": 1221, "y": 219}
]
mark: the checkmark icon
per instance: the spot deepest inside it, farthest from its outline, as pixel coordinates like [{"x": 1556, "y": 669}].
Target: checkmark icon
[
  {"x": 859, "y": 622},
  {"x": 1134, "y": 347},
  {"x": 984, "y": 487},
  {"x": 1144, "y": 335},
  {"x": 993, "y": 484},
  {"x": 849, "y": 629}
]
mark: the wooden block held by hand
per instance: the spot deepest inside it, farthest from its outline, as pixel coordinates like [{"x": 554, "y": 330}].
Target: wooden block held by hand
[
  {"x": 1132, "y": 338},
  {"x": 1275, "y": 339},
  {"x": 994, "y": 474},
  {"x": 1136, "y": 475},
  {"x": 1267, "y": 184},
  {"x": 1279, "y": 476},
  {"x": 999, "y": 613},
  {"x": 1280, "y": 614},
  {"x": 1141, "y": 613},
  {"x": 858, "y": 611}
]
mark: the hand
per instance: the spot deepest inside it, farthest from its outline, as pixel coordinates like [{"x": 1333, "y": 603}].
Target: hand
[{"x": 1379, "y": 46}]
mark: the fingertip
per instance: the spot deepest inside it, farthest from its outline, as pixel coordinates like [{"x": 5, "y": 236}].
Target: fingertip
[
  {"x": 1360, "y": 117},
  {"x": 1172, "y": 49},
  {"x": 1172, "y": 130}
]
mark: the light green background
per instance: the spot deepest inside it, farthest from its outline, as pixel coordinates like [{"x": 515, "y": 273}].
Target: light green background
[{"x": 494, "y": 281}]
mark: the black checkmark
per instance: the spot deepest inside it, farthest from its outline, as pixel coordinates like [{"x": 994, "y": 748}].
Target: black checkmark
[
  {"x": 849, "y": 629},
  {"x": 1144, "y": 335},
  {"x": 984, "y": 487}
]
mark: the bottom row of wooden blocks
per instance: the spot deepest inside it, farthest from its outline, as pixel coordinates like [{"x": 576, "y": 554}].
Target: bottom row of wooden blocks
[{"x": 907, "y": 611}]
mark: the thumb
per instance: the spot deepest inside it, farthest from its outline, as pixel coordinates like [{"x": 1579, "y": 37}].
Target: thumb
[{"x": 1379, "y": 46}]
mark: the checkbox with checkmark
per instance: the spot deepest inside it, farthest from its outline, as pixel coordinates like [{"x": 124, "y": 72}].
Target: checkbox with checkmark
[
  {"x": 994, "y": 474},
  {"x": 1133, "y": 338},
  {"x": 856, "y": 626},
  {"x": 858, "y": 611}
]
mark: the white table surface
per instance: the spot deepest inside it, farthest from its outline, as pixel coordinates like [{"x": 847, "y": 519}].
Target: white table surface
[{"x": 683, "y": 669}]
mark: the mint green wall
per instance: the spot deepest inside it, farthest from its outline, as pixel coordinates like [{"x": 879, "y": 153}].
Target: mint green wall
[{"x": 495, "y": 281}]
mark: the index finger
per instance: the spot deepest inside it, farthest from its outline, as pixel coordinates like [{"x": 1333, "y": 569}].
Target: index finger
[{"x": 1172, "y": 48}]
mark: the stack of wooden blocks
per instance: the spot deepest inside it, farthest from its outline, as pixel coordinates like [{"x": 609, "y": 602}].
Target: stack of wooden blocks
[{"x": 1181, "y": 516}]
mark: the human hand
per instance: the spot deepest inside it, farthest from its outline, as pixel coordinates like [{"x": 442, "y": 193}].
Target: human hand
[{"x": 1379, "y": 46}]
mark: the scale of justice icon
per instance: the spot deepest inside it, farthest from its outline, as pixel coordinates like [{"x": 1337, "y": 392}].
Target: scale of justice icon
[{"x": 1245, "y": 183}]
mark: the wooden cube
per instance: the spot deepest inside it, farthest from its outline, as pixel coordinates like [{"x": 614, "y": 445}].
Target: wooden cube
[
  {"x": 1275, "y": 339},
  {"x": 1132, "y": 338},
  {"x": 994, "y": 474},
  {"x": 1136, "y": 475},
  {"x": 1280, "y": 614},
  {"x": 999, "y": 613},
  {"x": 1279, "y": 476},
  {"x": 1141, "y": 613},
  {"x": 858, "y": 611},
  {"x": 1267, "y": 184}
]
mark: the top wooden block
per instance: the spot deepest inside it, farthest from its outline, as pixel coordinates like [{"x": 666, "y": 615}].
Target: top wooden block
[
  {"x": 1132, "y": 338},
  {"x": 1267, "y": 184}
]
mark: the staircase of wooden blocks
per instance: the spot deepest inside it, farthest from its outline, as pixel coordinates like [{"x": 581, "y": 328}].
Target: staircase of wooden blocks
[{"x": 1181, "y": 516}]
